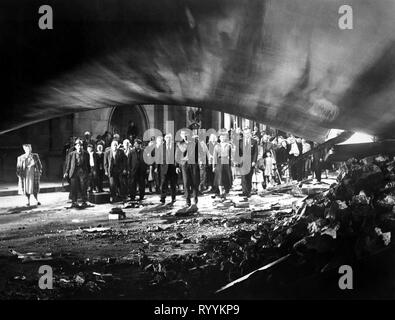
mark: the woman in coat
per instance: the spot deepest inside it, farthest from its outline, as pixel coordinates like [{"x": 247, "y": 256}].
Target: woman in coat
[{"x": 28, "y": 170}]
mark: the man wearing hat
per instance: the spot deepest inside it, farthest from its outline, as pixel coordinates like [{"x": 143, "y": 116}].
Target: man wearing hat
[{"x": 77, "y": 169}]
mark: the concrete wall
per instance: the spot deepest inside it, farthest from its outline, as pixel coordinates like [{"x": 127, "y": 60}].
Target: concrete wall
[
  {"x": 47, "y": 139},
  {"x": 95, "y": 121}
]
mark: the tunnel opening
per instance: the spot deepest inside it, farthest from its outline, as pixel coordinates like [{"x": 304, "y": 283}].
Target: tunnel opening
[{"x": 120, "y": 118}]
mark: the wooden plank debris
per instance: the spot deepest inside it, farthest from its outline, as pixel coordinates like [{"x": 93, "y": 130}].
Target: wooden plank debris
[{"x": 243, "y": 278}]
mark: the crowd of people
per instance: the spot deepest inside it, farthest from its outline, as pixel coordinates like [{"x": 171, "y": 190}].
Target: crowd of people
[{"x": 179, "y": 164}]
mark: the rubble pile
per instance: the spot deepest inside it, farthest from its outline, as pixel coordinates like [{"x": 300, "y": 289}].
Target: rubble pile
[
  {"x": 226, "y": 258},
  {"x": 356, "y": 215},
  {"x": 352, "y": 219}
]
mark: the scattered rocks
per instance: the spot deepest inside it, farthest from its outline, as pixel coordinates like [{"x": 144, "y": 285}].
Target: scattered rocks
[
  {"x": 79, "y": 279},
  {"x": 179, "y": 236},
  {"x": 154, "y": 229}
]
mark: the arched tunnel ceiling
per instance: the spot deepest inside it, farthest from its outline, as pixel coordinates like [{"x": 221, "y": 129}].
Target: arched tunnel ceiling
[{"x": 283, "y": 62}]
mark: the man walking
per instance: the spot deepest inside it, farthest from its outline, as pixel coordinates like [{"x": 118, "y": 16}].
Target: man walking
[
  {"x": 187, "y": 158},
  {"x": 249, "y": 145},
  {"x": 168, "y": 170},
  {"x": 125, "y": 178},
  {"x": 77, "y": 169},
  {"x": 92, "y": 177},
  {"x": 114, "y": 166},
  {"x": 99, "y": 164},
  {"x": 137, "y": 170}
]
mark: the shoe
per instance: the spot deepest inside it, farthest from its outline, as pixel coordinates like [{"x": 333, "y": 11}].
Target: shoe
[
  {"x": 28, "y": 204},
  {"x": 242, "y": 195},
  {"x": 38, "y": 203},
  {"x": 208, "y": 190},
  {"x": 74, "y": 205},
  {"x": 84, "y": 205},
  {"x": 214, "y": 196}
]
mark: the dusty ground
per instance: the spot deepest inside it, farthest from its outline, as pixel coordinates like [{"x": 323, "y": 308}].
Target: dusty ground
[
  {"x": 128, "y": 253},
  {"x": 153, "y": 254}
]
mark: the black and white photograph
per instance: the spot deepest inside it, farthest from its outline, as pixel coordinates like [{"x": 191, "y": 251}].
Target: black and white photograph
[{"x": 197, "y": 150}]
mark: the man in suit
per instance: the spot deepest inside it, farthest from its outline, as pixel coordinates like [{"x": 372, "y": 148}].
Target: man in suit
[
  {"x": 125, "y": 178},
  {"x": 99, "y": 164},
  {"x": 167, "y": 169},
  {"x": 248, "y": 144},
  {"x": 92, "y": 169},
  {"x": 213, "y": 140},
  {"x": 137, "y": 170},
  {"x": 77, "y": 169},
  {"x": 114, "y": 166},
  {"x": 157, "y": 174},
  {"x": 294, "y": 152},
  {"x": 187, "y": 159}
]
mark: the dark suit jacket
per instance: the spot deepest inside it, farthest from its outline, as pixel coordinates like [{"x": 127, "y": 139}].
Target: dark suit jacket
[
  {"x": 136, "y": 163},
  {"x": 127, "y": 158},
  {"x": 282, "y": 155},
  {"x": 99, "y": 161},
  {"x": 254, "y": 149},
  {"x": 185, "y": 151},
  {"x": 169, "y": 161},
  {"x": 71, "y": 163},
  {"x": 114, "y": 166},
  {"x": 157, "y": 155}
]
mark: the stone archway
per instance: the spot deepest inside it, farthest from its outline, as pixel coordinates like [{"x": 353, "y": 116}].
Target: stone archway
[{"x": 120, "y": 117}]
